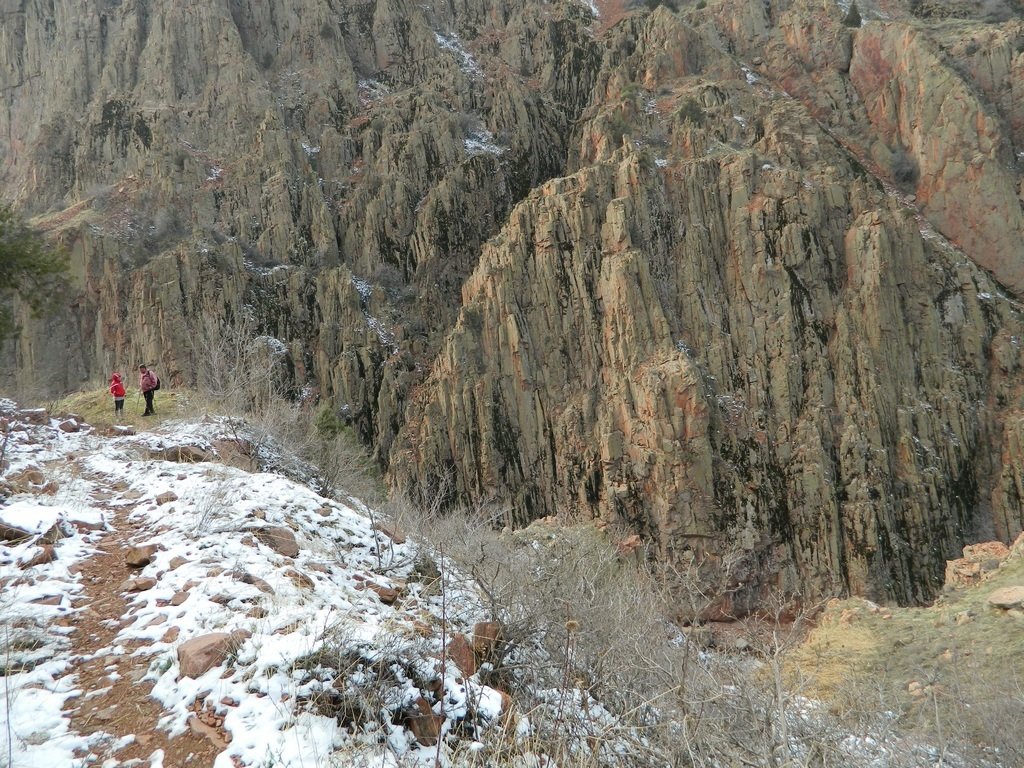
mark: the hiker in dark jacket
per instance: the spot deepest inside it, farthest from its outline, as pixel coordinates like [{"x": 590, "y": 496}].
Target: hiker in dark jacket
[
  {"x": 147, "y": 383},
  {"x": 117, "y": 390}
]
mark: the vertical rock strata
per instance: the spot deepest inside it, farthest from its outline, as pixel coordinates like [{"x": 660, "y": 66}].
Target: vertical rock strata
[{"x": 734, "y": 277}]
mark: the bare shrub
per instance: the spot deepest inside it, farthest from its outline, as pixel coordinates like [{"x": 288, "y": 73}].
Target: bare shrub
[
  {"x": 903, "y": 167},
  {"x": 248, "y": 377}
]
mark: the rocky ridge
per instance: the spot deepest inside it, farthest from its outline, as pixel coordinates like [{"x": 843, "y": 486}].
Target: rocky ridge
[{"x": 726, "y": 275}]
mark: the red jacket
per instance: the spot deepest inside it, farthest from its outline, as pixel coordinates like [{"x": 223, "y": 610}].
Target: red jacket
[
  {"x": 147, "y": 381},
  {"x": 116, "y": 387}
]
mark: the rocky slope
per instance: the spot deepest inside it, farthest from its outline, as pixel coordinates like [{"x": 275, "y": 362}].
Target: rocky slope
[{"x": 735, "y": 276}]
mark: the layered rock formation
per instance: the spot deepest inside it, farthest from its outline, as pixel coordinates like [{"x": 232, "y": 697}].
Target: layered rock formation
[{"x": 736, "y": 277}]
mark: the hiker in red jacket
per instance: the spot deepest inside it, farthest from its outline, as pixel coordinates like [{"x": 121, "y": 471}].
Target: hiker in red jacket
[
  {"x": 148, "y": 385},
  {"x": 117, "y": 390}
]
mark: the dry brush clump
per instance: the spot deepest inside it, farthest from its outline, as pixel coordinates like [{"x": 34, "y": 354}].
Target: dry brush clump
[
  {"x": 599, "y": 675},
  {"x": 587, "y": 654},
  {"x": 248, "y": 377}
]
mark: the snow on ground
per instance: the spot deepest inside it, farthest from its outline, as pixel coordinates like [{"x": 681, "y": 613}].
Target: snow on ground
[{"x": 203, "y": 517}]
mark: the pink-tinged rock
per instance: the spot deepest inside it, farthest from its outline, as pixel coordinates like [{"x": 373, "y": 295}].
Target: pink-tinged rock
[
  {"x": 68, "y": 426},
  {"x": 205, "y": 652},
  {"x": 166, "y": 498},
  {"x": 138, "y": 557},
  {"x": 178, "y": 598},
  {"x": 279, "y": 539}
]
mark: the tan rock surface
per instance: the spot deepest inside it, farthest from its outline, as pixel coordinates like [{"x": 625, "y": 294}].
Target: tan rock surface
[{"x": 727, "y": 300}]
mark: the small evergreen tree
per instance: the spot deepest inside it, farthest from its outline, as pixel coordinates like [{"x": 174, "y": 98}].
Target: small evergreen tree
[
  {"x": 29, "y": 269},
  {"x": 853, "y": 16}
]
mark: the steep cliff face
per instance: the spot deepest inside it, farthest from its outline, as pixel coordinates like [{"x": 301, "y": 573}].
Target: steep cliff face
[{"x": 731, "y": 276}]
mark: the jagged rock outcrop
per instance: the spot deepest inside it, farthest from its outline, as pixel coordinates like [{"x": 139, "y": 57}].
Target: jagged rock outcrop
[{"x": 735, "y": 276}]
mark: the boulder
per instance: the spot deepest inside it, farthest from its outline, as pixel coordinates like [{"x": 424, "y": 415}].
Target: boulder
[
  {"x": 140, "y": 556},
  {"x": 166, "y": 498},
  {"x": 279, "y": 539},
  {"x": 203, "y": 653},
  {"x": 1008, "y": 598}
]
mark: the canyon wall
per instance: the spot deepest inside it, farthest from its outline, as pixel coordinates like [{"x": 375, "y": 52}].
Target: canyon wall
[{"x": 730, "y": 275}]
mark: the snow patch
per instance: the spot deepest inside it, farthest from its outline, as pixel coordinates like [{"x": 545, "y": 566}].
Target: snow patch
[
  {"x": 453, "y": 44},
  {"x": 481, "y": 142}
]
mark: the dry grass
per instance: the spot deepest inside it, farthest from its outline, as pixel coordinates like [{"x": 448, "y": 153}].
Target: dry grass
[
  {"x": 96, "y": 407},
  {"x": 951, "y": 671}
]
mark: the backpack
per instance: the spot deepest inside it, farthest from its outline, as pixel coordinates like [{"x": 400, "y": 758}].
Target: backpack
[{"x": 157, "y": 382}]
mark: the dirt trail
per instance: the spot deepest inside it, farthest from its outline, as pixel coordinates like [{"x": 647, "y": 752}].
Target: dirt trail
[{"x": 114, "y": 701}]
